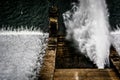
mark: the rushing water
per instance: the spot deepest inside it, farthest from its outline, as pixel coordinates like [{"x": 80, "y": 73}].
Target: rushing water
[
  {"x": 21, "y": 54},
  {"x": 87, "y": 24},
  {"x": 115, "y": 39},
  {"x": 16, "y": 13}
]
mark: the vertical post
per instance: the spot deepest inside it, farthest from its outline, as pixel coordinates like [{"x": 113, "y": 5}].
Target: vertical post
[
  {"x": 53, "y": 21},
  {"x": 48, "y": 67}
]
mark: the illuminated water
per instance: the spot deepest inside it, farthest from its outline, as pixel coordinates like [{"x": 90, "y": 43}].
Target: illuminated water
[
  {"x": 115, "y": 39},
  {"x": 21, "y": 54},
  {"x": 87, "y": 24}
]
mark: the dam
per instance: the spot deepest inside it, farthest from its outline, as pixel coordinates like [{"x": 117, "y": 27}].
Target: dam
[{"x": 62, "y": 62}]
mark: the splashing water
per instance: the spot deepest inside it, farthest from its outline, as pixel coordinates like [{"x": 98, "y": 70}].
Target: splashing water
[
  {"x": 115, "y": 40},
  {"x": 21, "y": 54},
  {"x": 87, "y": 24},
  {"x": 19, "y": 28}
]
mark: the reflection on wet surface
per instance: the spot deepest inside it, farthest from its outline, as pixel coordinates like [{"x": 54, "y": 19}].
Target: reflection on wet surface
[{"x": 68, "y": 56}]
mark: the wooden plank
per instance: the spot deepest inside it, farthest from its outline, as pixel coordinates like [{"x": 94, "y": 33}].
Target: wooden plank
[
  {"x": 85, "y": 74},
  {"x": 51, "y": 39},
  {"x": 88, "y": 73},
  {"x": 86, "y": 69},
  {"x": 86, "y": 78},
  {"x": 61, "y": 44}
]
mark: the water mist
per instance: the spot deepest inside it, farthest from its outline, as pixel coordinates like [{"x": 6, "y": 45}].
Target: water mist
[{"x": 87, "y": 24}]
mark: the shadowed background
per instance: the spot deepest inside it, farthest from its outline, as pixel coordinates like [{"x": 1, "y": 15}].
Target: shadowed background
[{"x": 16, "y": 13}]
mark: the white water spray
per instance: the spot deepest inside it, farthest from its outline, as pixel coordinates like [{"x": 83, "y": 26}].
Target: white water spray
[
  {"x": 21, "y": 53},
  {"x": 87, "y": 24},
  {"x": 115, "y": 39}
]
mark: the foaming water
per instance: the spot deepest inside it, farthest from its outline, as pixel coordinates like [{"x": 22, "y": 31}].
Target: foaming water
[
  {"x": 20, "y": 33},
  {"x": 87, "y": 24},
  {"x": 115, "y": 39},
  {"x": 21, "y": 54}
]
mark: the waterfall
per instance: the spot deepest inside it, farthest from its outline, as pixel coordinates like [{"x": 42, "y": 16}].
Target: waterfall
[{"x": 87, "y": 24}]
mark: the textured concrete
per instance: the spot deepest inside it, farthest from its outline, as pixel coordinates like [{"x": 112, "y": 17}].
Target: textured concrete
[
  {"x": 85, "y": 74},
  {"x": 47, "y": 70},
  {"x": 115, "y": 59}
]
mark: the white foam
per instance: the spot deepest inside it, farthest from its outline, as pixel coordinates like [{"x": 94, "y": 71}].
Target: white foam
[
  {"x": 21, "y": 54},
  {"x": 115, "y": 39},
  {"x": 88, "y": 25},
  {"x": 21, "y": 33}
]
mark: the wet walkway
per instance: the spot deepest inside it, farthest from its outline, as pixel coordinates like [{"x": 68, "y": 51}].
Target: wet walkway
[{"x": 67, "y": 56}]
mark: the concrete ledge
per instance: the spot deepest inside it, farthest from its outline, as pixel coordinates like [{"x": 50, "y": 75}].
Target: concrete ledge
[
  {"x": 48, "y": 67},
  {"x": 115, "y": 59}
]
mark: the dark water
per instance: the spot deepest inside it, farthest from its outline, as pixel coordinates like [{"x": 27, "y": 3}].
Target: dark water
[
  {"x": 114, "y": 10},
  {"x": 16, "y": 13}
]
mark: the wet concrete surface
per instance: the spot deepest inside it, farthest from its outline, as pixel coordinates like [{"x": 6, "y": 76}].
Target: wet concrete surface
[{"x": 67, "y": 56}]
